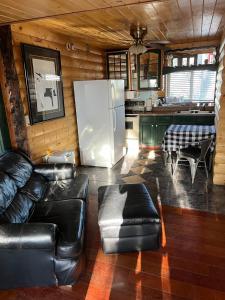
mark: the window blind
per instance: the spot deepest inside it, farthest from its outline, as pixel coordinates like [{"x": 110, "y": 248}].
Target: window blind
[{"x": 196, "y": 85}]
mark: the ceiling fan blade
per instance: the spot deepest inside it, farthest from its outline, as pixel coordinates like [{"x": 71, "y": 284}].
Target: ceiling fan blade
[
  {"x": 155, "y": 46},
  {"x": 162, "y": 42}
]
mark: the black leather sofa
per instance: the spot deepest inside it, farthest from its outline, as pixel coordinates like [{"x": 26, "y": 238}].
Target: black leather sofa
[{"x": 42, "y": 220}]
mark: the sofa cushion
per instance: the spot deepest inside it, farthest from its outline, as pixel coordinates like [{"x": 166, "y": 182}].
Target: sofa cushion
[
  {"x": 8, "y": 191},
  {"x": 68, "y": 189},
  {"x": 19, "y": 209},
  {"x": 68, "y": 215},
  {"x": 17, "y": 167},
  {"x": 35, "y": 187}
]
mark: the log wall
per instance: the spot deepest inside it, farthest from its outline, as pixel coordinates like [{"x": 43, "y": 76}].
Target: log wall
[
  {"x": 85, "y": 62},
  {"x": 10, "y": 91},
  {"x": 219, "y": 163}
]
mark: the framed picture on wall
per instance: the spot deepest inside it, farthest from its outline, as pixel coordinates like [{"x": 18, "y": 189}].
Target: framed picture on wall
[{"x": 42, "y": 68}]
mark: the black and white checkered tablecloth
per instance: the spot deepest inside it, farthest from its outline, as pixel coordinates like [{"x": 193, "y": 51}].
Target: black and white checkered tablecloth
[{"x": 178, "y": 136}]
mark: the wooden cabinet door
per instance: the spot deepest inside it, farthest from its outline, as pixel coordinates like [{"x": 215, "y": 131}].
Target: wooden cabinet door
[
  {"x": 160, "y": 130},
  {"x": 161, "y": 125},
  {"x": 149, "y": 70},
  {"x": 148, "y": 134}
]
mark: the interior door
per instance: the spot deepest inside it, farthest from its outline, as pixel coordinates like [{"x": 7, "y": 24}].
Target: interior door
[{"x": 119, "y": 133}]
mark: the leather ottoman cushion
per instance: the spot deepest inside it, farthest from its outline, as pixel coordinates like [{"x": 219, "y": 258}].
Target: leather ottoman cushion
[
  {"x": 127, "y": 204},
  {"x": 69, "y": 216},
  {"x": 128, "y": 219},
  {"x": 68, "y": 189},
  {"x": 17, "y": 167}
]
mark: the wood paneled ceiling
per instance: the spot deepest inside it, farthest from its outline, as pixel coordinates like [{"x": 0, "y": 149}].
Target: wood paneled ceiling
[
  {"x": 107, "y": 23},
  {"x": 18, "y": 10}
]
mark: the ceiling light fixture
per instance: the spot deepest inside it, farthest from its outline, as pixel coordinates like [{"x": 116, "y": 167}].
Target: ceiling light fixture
[
  {"x": 138, "y": 34},
  {"x": 138, "y": 48}
]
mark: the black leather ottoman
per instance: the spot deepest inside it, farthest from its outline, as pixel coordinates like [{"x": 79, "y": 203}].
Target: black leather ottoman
[{"x": 128, "y": 219}]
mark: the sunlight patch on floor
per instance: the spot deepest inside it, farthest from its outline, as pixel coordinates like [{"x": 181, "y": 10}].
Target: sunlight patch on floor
[
  {"x": 151, "y": 154},
  {"x": 138, "y": 269},
  {"x": 133, "y": 148},
  {"x": 106, "y": 280},
  {"x": 131, "y": 156},
  {"x": 166, "y": 285}
]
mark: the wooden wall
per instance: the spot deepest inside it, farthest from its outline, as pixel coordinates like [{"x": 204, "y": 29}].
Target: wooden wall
[
  {"x": 219, "y": 165},
  {"x": 83, "y": 63}
]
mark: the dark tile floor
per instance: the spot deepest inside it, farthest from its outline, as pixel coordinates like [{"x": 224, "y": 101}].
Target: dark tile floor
[{"x": 148, "y": 167}]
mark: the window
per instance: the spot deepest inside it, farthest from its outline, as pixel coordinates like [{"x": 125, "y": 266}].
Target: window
[
  {"x": 189, "y": 58},
  {"x": 192, "y": 61},
  {"x": 184, "y": 61},
  {"x": 191, "y": 86},
  {"x": 175, "y": 62},
  {"x": 117, "y": 66}
]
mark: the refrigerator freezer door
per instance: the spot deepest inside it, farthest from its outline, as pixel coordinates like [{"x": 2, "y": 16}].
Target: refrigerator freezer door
[
  {"x": 94, "y": 125},
  {"x": 116, "y": 93},
  {"x": 119, "y": 133}
]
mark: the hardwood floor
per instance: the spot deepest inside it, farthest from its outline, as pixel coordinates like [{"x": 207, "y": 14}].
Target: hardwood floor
[{"x": 190, "y": 264}]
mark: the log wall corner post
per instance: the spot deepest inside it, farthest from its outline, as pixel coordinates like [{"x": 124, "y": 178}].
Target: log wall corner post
[
  {"x": 11, "y": 91},
  {"x": 219, "y": 160}
]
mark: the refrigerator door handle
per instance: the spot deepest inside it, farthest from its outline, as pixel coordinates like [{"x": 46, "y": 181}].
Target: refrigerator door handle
[{"x": 114, "y": 116}]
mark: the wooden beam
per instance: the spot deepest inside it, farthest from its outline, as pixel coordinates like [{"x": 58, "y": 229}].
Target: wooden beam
[{"x": 11, "y": 91}]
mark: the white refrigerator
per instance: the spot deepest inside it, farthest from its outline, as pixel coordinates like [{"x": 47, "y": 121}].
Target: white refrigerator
[{"x": 101, "y": 121}]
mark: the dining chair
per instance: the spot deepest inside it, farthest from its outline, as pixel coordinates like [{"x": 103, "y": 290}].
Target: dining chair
[{"x": 194, "y": 153}]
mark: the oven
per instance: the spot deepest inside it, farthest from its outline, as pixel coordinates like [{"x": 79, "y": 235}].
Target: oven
[{"x": 132, "y": 127}]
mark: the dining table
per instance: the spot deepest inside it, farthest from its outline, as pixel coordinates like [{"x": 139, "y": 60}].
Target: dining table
[{"x": 181, "y": 136}]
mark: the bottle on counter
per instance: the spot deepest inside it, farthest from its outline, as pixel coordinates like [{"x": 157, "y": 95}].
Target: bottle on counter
[{"x": 148, "y": 104}]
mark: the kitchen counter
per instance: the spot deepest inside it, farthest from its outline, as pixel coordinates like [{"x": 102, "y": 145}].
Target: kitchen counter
[
  {"x": 153, "y": 125},
  {"x": 184, "y": 113}
]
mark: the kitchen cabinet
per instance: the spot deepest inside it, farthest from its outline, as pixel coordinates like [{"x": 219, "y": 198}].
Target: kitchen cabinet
[
  {"x": 159, "y": 133},
  {"x": 152, "y": 128},
  {"x": 142, "y": 72},
  {"x": 194, "y": 119},
  {"x": 149, "y": 70},
  {"x": 117, "y": 66},
  {"x": 148, "y": 134}
]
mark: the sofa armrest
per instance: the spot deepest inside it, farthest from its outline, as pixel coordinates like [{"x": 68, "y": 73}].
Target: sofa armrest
[
  {"x": 27, "y": 236},
  {"x": 58, "y": 171}
]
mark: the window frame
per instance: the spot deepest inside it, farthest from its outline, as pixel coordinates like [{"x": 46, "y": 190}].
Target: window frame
[
  {"x": 120, "y": 52},
  {"x": 167, "y": 80}
]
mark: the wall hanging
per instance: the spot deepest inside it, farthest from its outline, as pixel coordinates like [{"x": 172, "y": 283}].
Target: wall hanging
[{"x": 42, "y": 68}]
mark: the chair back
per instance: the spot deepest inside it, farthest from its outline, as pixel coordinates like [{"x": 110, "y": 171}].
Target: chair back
[{"x": 205, "y": 145}]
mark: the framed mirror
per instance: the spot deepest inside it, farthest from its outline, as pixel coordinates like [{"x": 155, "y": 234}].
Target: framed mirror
[{"x": 149, "y": 70}]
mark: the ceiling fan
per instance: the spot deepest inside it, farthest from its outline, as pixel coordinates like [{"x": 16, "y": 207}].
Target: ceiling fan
[{"x": 140, "y": 45}]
